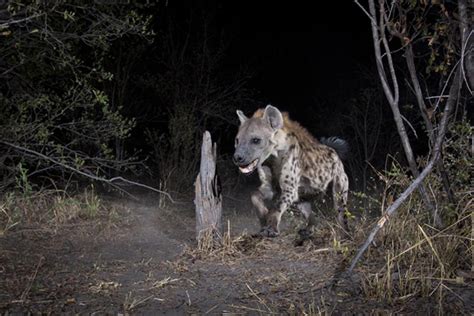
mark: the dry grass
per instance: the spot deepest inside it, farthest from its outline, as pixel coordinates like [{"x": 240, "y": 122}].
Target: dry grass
[
  {"x": 132, "y": 301},
  {"x": 227, "y": 247},
  {"x": 50, "y": 209},
  {"x": 411, "y": 259}
]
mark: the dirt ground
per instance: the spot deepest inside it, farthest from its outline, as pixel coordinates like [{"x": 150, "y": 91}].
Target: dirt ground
[{"x": 144, "y": 261}]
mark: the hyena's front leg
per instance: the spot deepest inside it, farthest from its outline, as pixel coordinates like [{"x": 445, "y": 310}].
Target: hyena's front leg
[
  {"x": 289, "y": 182},
  {"x": 264, "y": 192}
]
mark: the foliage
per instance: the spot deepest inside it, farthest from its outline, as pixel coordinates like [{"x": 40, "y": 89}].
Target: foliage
[
  {"x": 52, "y": 76},
  {"x": 432, "y": 27}
]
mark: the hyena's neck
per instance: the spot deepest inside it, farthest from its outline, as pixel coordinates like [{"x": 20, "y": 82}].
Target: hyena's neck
[
  {"x": 293, "y": 137},
  {"x": 285, "y": 141}
]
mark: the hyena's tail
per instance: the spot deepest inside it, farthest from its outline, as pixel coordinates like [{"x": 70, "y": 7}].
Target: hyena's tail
[{"x": 339, "y": 144}]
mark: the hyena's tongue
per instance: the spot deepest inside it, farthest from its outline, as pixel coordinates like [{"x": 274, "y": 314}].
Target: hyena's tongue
[{"x": 249, "y": 168}]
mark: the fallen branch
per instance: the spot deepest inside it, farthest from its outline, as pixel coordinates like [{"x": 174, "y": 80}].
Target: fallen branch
[
  {"x": 453, "y": 96},
  {"x": 86, "y": 174}
]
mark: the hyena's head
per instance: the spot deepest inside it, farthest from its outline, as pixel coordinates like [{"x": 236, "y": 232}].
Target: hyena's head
[{"x": 255, "y": 141}]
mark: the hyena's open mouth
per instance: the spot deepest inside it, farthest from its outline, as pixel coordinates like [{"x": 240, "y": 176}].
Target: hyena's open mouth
[{"x": 249, "y": 168}]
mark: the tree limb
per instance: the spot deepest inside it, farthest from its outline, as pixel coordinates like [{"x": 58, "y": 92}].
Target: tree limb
[
  {"x": 410, "y": 60},
  {"x": 11, "y": 22},
  {"x": 85, "y": 174}
]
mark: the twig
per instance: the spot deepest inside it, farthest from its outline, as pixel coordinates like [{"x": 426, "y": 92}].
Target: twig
[
  {"x": 85, "y": 174},
  {"x": 11, "y": 22},
  {"x": 24, "y": 295},
  {"x": 143, "y": 186},
  {"x": 261, "y": 311},
  {"x": 258, "y": 298},
  {"x": 463, "y": 52},
  {"x": 441, "y": 265},
  {"x": 189, "y": 298},
  {"x": 365, "y": 11},
  {"x": 409, "y": 124},
  {"x": 211, "y": 309},
  {"x": 136, "y": 302}
]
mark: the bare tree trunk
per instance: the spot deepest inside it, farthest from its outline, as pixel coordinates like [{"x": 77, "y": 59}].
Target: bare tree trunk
[
  {"x": 453, "y": 96},
  {"x": 391, "y": 90},
  {"x": 208, "y": 199},
  {"x": 410, "y": 59}
]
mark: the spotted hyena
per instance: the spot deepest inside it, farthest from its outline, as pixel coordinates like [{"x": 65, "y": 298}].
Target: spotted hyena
[{"x": 291, "y": 162}]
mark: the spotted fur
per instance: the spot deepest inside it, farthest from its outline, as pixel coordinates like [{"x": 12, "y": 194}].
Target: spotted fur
[{"x": 290, "y": 162}]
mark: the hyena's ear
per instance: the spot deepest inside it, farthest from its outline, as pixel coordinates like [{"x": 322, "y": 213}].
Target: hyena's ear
[
  {"x": 242, "y": 116},
  {"x": 273, "y": 116}
]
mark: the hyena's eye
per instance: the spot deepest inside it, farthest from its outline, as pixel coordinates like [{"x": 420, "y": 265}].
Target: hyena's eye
[
  {"x": 236, "y": 142},
  {"x": 256, "y": 140}
]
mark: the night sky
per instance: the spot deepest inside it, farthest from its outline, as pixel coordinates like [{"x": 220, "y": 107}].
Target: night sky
[{"x": 299, "y": 51}]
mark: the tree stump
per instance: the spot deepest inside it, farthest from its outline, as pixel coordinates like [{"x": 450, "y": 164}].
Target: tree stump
[{"x": 208, "y": 198}]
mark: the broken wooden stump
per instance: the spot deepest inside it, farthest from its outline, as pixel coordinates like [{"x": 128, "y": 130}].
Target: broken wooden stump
[{"x": 208, "y": 198}]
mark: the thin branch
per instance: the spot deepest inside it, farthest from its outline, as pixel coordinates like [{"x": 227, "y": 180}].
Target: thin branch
[
  {"x": 143, "y": 186},
  {"x": 445, "y": 86},
  {"x": 8, "y": 23},
  {"x": 410, "y": 60},
  {"x": 365, "y": 11},
  {"x": 409, "y": 124},
  {"x": 463, "y": 54},
  {"x": 391, "y": 67},
  {"x": 85, "y": 174},
  {"x": 437, "y": 96},
  {"x": 379, "y": 62}
]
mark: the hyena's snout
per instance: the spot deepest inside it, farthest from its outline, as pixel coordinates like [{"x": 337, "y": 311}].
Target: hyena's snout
[
  {"x": 242, "y": 156},
  {"x": 246, "y": 165},
  {"x": 238, "y": 159}
]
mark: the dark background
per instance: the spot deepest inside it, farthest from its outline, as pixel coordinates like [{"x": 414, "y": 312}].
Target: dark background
[
  {"x": 310, "y": 59},
  {"x": 305, "y": 58},
  {"x": 299, "y": 51}
]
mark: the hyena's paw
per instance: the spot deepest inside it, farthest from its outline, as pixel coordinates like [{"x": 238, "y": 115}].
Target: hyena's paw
[
  {"x": 268, "y": 231},
  {"x": 303, "y": 235}
]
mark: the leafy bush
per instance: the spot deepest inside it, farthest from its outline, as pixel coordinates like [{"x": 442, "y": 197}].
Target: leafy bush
[{"x": 55, "y": 114}]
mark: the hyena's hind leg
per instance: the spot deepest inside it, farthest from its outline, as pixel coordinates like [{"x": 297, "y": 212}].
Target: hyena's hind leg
[
  {"x": 307, "y": 211},
  {"x": 264, "y": 192},
  {"x": 340, "y": 188}
]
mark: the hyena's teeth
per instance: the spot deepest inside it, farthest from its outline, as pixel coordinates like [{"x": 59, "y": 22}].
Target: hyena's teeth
[{"x": 250, "y": 167}]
